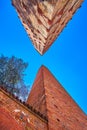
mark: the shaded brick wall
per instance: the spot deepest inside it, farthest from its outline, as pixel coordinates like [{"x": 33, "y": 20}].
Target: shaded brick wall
[
  {"x": 15, "y": 116},
  {"x": 37, "y": 95}
]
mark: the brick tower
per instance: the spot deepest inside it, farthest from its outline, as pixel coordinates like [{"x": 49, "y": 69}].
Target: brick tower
[
  {"x": 49, "y": 97},
  {"x": 45, "y": 19}
]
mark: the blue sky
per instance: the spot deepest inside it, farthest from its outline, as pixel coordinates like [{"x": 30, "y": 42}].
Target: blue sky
[{"x": 66, "y": 58}]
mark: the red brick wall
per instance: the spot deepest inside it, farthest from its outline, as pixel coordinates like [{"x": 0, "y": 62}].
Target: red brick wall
[
  {"x": 48, "y": 97},
  {"x": 63, "y": 113},
  {"x": 45, "y": 19},
  {"x": 7, "y": 122},
  {"x": 15, "y": 116},
  {"x": 37, "y": 95}
]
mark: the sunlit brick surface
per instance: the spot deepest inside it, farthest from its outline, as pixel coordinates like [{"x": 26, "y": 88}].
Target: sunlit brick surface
[
  {"x": 16, "y": 116},
  {"x": 7, "y": 122},
  {"x": 45, "y": 19},
  {"x": 49, "y": 97}
]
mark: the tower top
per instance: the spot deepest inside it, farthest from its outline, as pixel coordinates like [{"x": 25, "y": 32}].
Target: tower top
[
  {"x": 49, "y": 98},
  {"x": 37, "y": 93},
  {"x": 45, "y": 19}
]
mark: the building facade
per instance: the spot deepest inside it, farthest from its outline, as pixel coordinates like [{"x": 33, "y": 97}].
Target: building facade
[
  {"x": 45, "y": 19},
  {"x": 48, "y": 107}
]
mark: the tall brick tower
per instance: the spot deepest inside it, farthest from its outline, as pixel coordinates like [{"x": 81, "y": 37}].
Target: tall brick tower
[
  {"x": 49, "y": 97},
  {"x": 45, "y": 19}
]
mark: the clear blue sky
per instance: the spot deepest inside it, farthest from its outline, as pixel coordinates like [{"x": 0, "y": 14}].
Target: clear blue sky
[{"x": 66, "y": 58}]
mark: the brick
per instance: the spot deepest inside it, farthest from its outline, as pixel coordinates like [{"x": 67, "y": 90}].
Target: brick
[
  {"x": 52, "y": 107},
  {"x": 45, "y": 19},
  {"x": 62, "y": 111},
  {"x": 16, "y": 116}
]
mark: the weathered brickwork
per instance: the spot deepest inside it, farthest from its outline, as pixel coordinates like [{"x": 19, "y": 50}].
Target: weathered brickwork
[
  {"x": 16, "y": 116},
  {"x": 62, "y": 111},
  {"x": 52, "y": 107},
  {"x": 7, "y": 122},
  {"x": 45, "y": 19}
]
